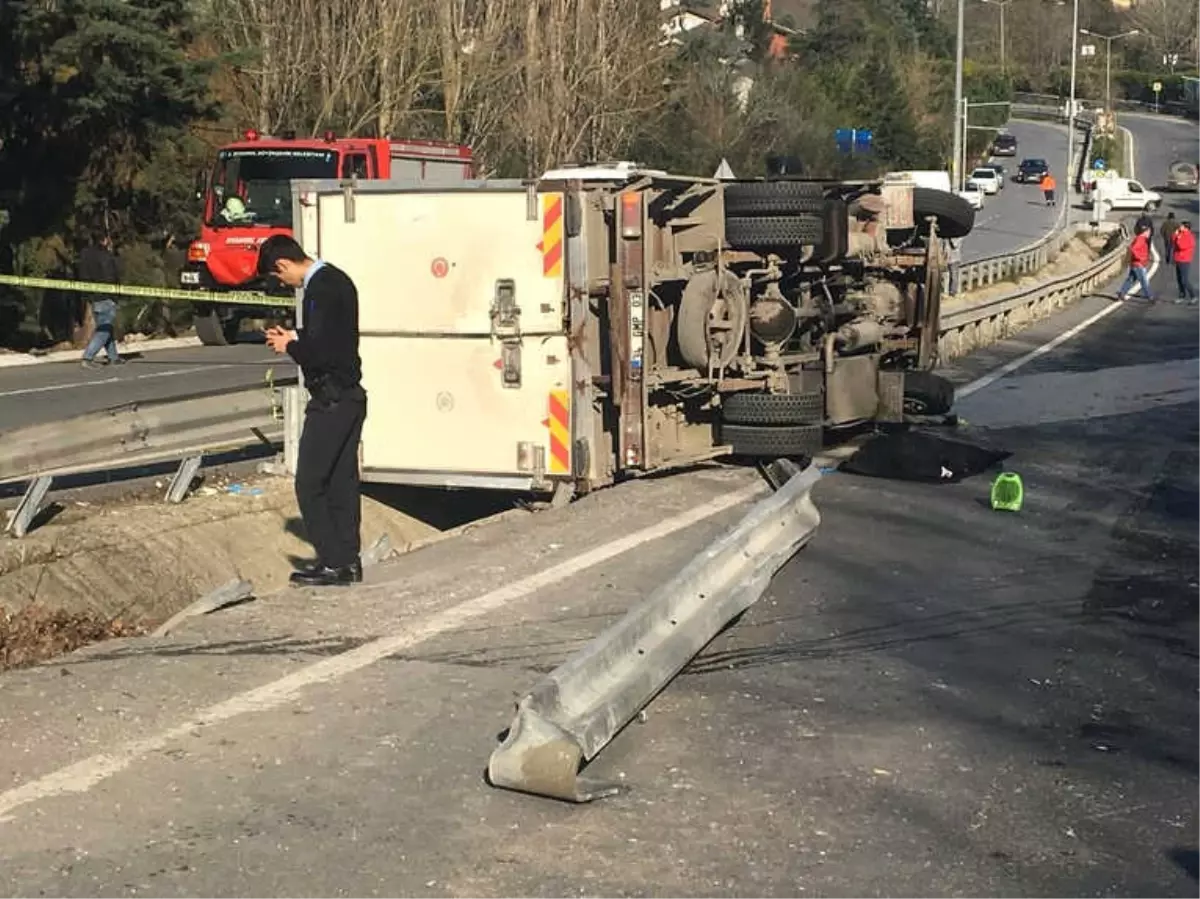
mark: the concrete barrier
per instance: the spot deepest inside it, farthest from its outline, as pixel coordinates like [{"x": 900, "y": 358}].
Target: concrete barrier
[{"x": 576, "y": 710}]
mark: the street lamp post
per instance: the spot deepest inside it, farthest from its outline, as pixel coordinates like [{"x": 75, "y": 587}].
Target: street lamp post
[
  {"x": 955, "y": 171},
  {"x": 1003, "y": 4},
  {"x": 1068, "y": 181},
  {"x": 1108, "y": 40}
]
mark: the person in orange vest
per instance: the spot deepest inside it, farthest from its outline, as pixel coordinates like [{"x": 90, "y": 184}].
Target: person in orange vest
[
  {"x": 1183, "y": 249},
  {"x": 1048, "y": 187},
  {"x": 1139, "y": 258}
]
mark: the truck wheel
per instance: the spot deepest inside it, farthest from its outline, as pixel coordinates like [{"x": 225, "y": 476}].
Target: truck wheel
[
  {"x": 927, "y": 394},
  {"x": 773, "y": 198},
  {"x": 773, "y": 408},
  {"x": 215, "y": 331},
  {"x": 774, "y": 232},
  {"x": 793, "y": 440},
  {"x": 955, "y": 216},
  {"x": 834, "y": 244},
  {"x": 712, "y": 320}
]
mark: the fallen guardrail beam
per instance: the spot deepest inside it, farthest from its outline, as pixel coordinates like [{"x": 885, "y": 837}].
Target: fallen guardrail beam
[
  {"x": 141, "y": 433},
  {"x": 577, "y": 709}
]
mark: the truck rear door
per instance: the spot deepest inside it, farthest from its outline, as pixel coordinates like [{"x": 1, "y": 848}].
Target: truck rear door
[{"x": 463, "y": 335}]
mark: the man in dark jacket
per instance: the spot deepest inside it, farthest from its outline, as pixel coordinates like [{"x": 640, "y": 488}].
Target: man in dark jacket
[
  {"x": 1168, "y": 233},
  {"x": 326, "y": 349},
  {"x": 98, "y": 264}
]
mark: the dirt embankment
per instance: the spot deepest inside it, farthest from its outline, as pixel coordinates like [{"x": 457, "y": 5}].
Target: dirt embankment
[
  {"x": 1078, "y": 254},
  {"x": 118, "y": 567}
]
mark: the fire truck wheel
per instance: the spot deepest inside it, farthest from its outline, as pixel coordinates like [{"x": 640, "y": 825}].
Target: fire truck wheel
[
  {"x": 955, "y": 216},
  {"x": 773, "y": 442},
  {"x": 215, "y": 331},
  {"x": 756, "y": 198},
  {"x": 776, "y": 232},
  {"x": 927, "y": 394},
  {"x": 773, "y": 408}
]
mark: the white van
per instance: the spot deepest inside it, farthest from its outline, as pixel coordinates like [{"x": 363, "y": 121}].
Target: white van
[
  {"x": 1123, "y": 193},
  {"x": 926, "y": 178}
]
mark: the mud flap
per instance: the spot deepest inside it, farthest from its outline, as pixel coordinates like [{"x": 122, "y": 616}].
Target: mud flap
[{"x": 577, "y": 709}]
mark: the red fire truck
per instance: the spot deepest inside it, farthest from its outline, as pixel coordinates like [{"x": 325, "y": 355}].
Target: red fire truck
[{"x": 248, "y": 198}]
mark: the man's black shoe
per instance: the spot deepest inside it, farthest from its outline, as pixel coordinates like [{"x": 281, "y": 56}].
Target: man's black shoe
[{"x": 325, "y": 576}]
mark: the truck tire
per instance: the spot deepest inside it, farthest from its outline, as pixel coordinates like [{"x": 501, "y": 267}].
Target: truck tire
[
  {"x": 757, "y": 198},
  {"x": 955, "y": 216},
  {"x": 774, "y": 232},
  {"x": 927, "y": 394},
  {"x": 835, "y": 243},
  {"x": 773, "y": 408},
  {"x": 215, "y": 331},
  {"x": 776, "y": 442}
]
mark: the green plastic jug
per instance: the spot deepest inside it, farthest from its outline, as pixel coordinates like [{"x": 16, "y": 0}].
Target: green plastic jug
[{"x": 1007, "y": 492}]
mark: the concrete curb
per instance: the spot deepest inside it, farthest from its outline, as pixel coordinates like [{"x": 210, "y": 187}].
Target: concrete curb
[{"x": 17, "y": 360}]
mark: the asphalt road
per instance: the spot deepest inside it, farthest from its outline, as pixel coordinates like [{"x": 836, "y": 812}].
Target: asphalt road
[
  {"x": 1018, "y": 215},
  {"x": 55, "y": 391},
  {"x": 932, "y": 699}
]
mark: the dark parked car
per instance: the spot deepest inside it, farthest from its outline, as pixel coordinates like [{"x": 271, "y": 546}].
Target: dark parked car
[
  {"x": 1183, "y": 176},
  {"x": 1030, "y": 171},
  {"x": 1004, "y": 145}
]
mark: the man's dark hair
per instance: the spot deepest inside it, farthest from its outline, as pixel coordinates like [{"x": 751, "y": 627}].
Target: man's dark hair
[{"x": 275, "y": 248}]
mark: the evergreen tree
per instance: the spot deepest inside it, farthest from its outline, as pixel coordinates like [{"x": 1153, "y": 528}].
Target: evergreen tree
[{"x": 95, "y": 88}]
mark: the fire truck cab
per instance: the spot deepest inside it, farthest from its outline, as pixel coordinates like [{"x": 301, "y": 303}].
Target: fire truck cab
[{"x": 247, "y": 198}]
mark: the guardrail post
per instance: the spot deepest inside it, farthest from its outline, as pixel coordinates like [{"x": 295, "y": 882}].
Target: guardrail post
[
  {"x": 293, "y": 422},
  {"x": 181, "y": 481},
  {"x": 21, "y": 521}
]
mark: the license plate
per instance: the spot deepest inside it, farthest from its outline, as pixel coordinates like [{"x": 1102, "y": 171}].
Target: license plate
[{"x": 189, "y": 278}]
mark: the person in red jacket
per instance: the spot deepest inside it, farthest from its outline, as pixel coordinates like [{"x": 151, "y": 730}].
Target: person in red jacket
[
  {"x": 1139, "y": 259},
  {"x": 1183, "y": 249}
]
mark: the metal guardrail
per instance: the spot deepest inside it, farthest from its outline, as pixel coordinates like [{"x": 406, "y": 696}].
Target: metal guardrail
[
  {"x": 985, "y": 323},
  {"x": 574, "y": 711},
  {"x": 141, "y": 433}
]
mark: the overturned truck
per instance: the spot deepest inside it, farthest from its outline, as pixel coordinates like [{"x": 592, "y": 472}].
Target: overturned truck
[{"x": 607, "y": 321}]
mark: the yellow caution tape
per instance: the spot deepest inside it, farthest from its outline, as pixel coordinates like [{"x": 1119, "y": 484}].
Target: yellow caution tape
[{"x": 234, "y": 298}]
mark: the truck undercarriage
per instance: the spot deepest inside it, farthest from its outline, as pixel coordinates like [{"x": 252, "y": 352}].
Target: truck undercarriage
[{"x": 817, "y": 310}]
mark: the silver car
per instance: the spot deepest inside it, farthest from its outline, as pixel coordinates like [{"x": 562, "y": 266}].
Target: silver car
[{"x": 1183, "y": 176}]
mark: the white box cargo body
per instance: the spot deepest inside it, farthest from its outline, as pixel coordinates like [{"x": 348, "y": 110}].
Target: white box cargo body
[{"x": 462, "y": 323}]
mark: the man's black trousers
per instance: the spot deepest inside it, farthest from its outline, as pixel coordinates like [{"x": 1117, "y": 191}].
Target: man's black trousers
[{"x": 327, "y": 477}]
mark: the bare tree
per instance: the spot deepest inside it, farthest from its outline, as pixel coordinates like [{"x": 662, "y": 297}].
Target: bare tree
[
  {"x": 590, "y": 73},
  {"x": 1169, "y": 25}
]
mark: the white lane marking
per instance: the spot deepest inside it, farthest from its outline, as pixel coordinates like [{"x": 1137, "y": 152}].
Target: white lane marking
[
  {"x": 1130, "y": 152},
  {"x": 115, "y": 380},
  {"x": 1052, "y": 397},
  {"x": 1009, "y": 367},
  {"x": 85, "y": 774}
]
